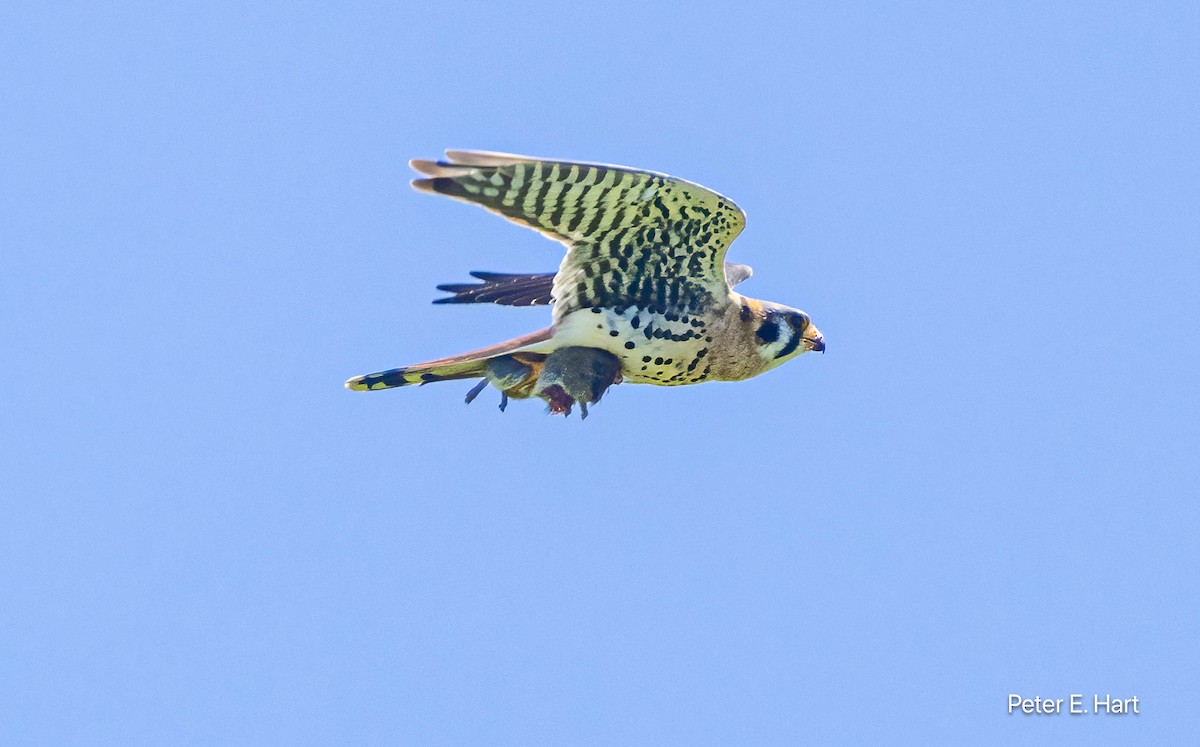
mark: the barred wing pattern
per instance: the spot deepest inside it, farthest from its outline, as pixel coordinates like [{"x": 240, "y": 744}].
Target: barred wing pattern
[{"x": 634, "y": 238}]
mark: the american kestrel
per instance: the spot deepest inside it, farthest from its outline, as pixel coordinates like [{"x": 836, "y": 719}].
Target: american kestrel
[{"x": 643, "y": 294}]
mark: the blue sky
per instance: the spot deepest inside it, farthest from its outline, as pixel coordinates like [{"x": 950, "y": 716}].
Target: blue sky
[{"x": 987, "y": 486}]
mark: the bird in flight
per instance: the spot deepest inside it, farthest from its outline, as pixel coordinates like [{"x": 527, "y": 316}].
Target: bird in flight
[{"x": 643, "y": 294}]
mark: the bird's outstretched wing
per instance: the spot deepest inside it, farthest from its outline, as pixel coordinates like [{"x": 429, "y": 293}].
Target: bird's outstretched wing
[
  {"x": 506, "y": 289},
  {"x": 634, "y": 238},
  {"x": 533, "y": 289}
]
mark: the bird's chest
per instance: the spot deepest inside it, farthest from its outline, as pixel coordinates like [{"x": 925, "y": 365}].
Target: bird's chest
[{"x": 667, "y": 349}]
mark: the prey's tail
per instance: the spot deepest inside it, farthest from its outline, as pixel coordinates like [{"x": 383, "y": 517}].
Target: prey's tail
[{"x": 472, "y": 365}]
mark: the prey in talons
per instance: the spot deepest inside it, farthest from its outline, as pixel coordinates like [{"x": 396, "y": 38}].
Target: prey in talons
[{"x": 564, "y": 378}]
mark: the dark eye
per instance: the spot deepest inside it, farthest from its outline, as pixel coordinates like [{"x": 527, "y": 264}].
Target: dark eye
[
  {"x": 768, "y": 332},
  {"x": 798, "y": 322}
]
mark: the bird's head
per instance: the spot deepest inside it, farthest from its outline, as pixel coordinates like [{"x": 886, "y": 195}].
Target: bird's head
[{"x": 781, "y": 333}]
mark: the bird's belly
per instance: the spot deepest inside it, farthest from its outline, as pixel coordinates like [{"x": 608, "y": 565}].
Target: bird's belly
[{"x": 654, "y": 348}]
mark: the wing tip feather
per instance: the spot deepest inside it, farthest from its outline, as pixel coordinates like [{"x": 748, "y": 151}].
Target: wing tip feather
[
  {"x": 439, "y": 168},
  {"x": 442, "y": 185},
  {"x": 484, "y": 158}
]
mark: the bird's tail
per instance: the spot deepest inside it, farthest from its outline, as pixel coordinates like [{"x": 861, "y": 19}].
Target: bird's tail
[{"x": 472, "y": 365}]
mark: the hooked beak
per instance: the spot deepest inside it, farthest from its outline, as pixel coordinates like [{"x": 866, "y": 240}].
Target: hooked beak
[{"x": 816, "y": 344}]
